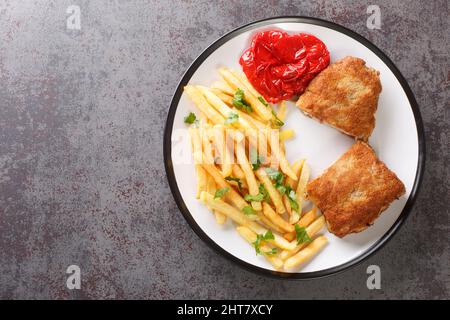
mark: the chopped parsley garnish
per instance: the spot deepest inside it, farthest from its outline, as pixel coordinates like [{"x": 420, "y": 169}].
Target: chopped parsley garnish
[
  {"x": 232, "y": 118},
  {"x": 272, "y": 252},
  {"x": 277, "y": 122},
  {"x": 292, "y": 197},
  {"x": 275, "y": 175},
  {"x": 239, "y": 101},
  {"x": 281, "y": 189},
  {"x": 263, "y": 101},
  {"x": 220, "y": 192},
  {"x": 248, "y": 210},
  {"x": 237, "y": 180},
  {"x": 190, "y": 118},
  {"x": 255, "y": 166},
  {"x": 302, "y": 235},
  {"x": 267, "y": 236},
  {"x": 258, "y": 198},
  {"x": 278, "y": 178},
  {"x": 263, "y": 191},
  {"x": 261, "y": 196}
]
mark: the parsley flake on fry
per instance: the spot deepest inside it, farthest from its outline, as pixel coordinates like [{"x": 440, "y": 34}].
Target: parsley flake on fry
[
  {"x": 272, "y": 252},
  {"x": 292, "y": 197},
  {"x": 248, "y": 211},
  {"x": 264, "y": 192},
  {"x": 259, "y": 237},
  {"x": 263, "y": 195},
  {"x": 220, "y": 192},
  {"x": 237, "y": 180},
  {"x": 239, "y": 101},
  {"x": 275, "y": 175},
  {"x": 302, "y": 235},
  {"x": 278, "y": 177},
  {"x": 263, "y": 101},
  {"x": 258, "y": 198},
  {"x": 277, "y": 122}
]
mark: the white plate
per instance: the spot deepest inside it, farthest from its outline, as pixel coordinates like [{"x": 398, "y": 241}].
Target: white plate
[{"x": 397, "y": 139}]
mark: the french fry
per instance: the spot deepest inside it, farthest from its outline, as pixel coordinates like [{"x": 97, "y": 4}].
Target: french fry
[
  {"x": 293, "y": 215},
  {"x": 287, "y": 134},
  {"x": 235, "y": 83},
  {"x": 301, "y": 187},
  {"x": 209, "y": 159},
  {"x": 273, "y": 193},
  {"x": 224, "y": 208},
  {"x": 281, "y": 114},
  {"x": 221, "y": 106},
  {"x": 259, "y": 134},
  {"x": 267, "y": 110},
  {"x": 224, "y": 97},
  {"x": 238, "y": 217},
  {"x": 196, "y": 143},
  {"x": 224, "y": 87},
  {"x": 220, "y": 218},
  {"x": 269, "y": 224},
  {"x": 238, "y": 173},
  {"x": 198, "y": 159},
  {"x": 253, "y": 188},
  {"x": 254, "y": 119},
  {"x": 263, "y": 139},
  {"x": 251, "y": 135},
  {"x": 210, "y": 184},
  {"x": 289, "y": 236},
  {"x": 275, "y": 149},
  {"x": 297, "y": 168},
  {"x": 279, "y": 241},
  {"x": 276, "y": 218},
  {"x": 250, "y": 237},
  {"x": 207, "y": 147},
  {"x": 232, "y": 195},
  {"x": 307, "y": 253},
  {"x": 308, "y": 218},
  {"x": 203, "y": 105},
  {"x": 305, "y": 221},
  {"x": 215, "y": 101},
  {"x": 224, "y": 152},
  {"x": 311, "y": 230},
  {"x": 201, "y": 180},
  {"x": 202, "y": 118},
  {"x": 211, "y": 188},
  {"x": 243, "y": 79}
]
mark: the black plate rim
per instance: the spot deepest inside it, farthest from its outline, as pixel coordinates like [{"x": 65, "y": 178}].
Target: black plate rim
[{"x": 182, "y": 206}]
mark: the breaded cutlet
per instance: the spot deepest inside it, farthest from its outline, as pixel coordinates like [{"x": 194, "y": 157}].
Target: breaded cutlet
[
  {"x": 354, "y": 191},
  {"x": 344, "y": 96}
]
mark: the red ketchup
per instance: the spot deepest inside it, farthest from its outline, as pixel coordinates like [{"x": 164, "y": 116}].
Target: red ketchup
[{"x": 280, "y": 65}]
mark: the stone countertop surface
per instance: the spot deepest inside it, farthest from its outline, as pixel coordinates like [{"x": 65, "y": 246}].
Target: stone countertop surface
[{"x": 82, "y": 178}]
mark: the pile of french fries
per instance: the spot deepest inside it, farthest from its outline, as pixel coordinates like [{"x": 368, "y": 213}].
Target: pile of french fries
[{"x": 243, "y": 174}]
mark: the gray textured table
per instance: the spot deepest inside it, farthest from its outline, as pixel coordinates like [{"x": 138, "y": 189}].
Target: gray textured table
[{"x": 82, "y": 178}]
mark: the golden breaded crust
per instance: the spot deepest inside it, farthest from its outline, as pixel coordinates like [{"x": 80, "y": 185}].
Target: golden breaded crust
[
  {"x": 344, "y": 96},
  {"x": 354, "y": 191}
]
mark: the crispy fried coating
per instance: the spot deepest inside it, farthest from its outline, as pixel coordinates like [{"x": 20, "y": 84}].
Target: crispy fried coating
[
  {"x": 354, "y": 191},
  {"x": 344, "y": 96}
]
